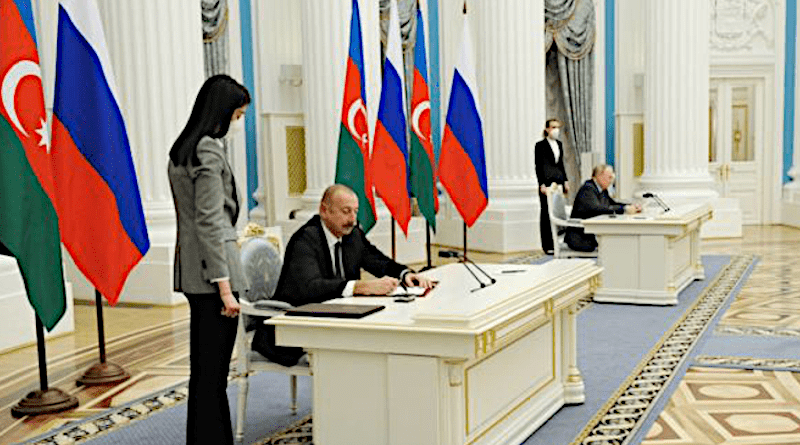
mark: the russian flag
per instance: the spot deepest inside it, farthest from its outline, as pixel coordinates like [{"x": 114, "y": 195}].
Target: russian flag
[
  {"x": 390, "y": 149},
  {"x": 462, "y": 162},
  {"x": 98, "y": 201}
]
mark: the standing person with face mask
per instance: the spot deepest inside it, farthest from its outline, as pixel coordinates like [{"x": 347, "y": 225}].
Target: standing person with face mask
[
  {"x": 207, "y": 266},
  {"x": 549, "y": 159}
]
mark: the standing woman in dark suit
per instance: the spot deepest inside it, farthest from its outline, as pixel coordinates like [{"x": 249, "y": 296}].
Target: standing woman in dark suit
[
  {"x": 207, "y": 266},
  {"x": 549, "y": 158}
]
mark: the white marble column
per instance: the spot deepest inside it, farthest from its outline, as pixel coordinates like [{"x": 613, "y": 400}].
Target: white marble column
[
  {"x": 157, "y": 57},
  {"x": 676, "y": 83},
  {"x": 676, "y": 100},
  {"x": 511, "y": 82},
  {"x": 326, "y": 30}
]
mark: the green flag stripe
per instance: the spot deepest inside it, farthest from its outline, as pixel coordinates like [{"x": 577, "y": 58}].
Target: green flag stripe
[
  {"x": 29, "y": 229},
  {"x": 422, "y": 185},
  {"x": 350, "y": 172}
]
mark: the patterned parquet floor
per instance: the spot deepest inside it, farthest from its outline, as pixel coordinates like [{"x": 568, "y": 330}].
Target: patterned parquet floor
[{"x": 735, "y": 405}]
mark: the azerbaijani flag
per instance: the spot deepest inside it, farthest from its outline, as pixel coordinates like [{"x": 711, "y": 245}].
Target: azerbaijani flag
[
  {"x": 390, "y": 149},
  {"x": 352, "y": 160},
  {"x": 423, "y": 162},
  {"x": 462, "y": 162},
  {"x": 98, "y": 201},
  {"x": 28, "y": 219}
]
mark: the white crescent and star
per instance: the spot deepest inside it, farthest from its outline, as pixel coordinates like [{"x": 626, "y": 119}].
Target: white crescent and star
[
  {"x": 10, "y": 83},
  {"x": 355, "y": 107},
  {"x": 416, "y": 114}
]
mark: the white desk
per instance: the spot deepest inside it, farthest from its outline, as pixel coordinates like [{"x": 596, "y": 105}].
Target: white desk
[
  {"x": 454, "y": 367},
  {"x": 649, "y": 259}
]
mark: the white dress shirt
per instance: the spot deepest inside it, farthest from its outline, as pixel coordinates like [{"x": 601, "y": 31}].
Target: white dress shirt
[
  {"x": 554, "y": 147},
  {"x": 332, "y": 240}
]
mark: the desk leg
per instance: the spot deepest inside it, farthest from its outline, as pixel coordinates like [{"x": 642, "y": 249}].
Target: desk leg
[
  {"x": 699, "y": 271},
  {"x": 573, "y": 381}
]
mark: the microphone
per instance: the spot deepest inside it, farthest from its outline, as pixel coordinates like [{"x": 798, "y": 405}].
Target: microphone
[
  {"x": 658, "y": 200},
  {"x": 464, "y": 260}
]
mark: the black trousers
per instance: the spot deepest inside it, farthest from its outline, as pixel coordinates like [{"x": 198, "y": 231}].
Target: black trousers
[
  {"x": 576, "y": 239},
  {"x": 544, "y": 224},
  {"x": 211, "y": 339}
]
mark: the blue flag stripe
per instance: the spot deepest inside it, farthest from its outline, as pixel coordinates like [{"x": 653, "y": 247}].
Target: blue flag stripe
[
  {"x": 419, "y": 48},
  {"x": 356, "y": 50},
  {"x": 87, "y": 109},
  {"x": 25, "y": 11},
  {"x": 464, "y": 121},
  {"x": 390, "y": 110}
]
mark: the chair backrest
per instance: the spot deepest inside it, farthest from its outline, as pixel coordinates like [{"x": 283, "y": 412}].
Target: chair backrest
[
  {"x": 557, "y": 211},
  {"x": 262, "y": 263},
  {"x": 560, "y": 205}
]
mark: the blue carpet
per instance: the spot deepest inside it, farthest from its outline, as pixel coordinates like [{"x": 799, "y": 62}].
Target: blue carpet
[
  {"x": 612, "y": 340},
  {"x": 749, "y": 346},
  {"x": 267, "y": 412}
]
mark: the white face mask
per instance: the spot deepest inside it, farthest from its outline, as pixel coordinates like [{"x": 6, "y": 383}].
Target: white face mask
[
  {"x": 555, "y": 133},
  {"x": 236, "y": 127}
]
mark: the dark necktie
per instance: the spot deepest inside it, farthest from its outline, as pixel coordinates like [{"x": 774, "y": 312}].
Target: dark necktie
[{"x": 337, "y": 253}]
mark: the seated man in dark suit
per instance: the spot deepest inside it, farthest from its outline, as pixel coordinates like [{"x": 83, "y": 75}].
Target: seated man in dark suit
[
  {"x": 593, "y": 200},
  {"x": 323, "y": 261}
]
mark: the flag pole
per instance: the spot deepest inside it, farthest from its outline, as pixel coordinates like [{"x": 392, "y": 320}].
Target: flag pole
[
  {"x": 465, "y": 240},
  {"x": 103, "y": 372},
  {"x": 428, "y": 245},
  {"x": 394, "y": 247},
  {"x": 46, "y": 400}
]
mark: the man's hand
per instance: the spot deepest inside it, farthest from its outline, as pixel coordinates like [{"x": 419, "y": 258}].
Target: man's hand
[
  {"x": 380, "y": 286},
  {"x": 415, "y": 279},
  {"x": 633, "y": 208},
  {"x": 566, "y": 187},
  {"x": 543, "y": 189}
]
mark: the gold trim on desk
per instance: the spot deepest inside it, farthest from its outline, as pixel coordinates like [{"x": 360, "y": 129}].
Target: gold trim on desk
[{"x": 532, "y": 393}]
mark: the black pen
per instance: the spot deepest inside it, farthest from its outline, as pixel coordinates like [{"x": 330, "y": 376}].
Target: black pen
[{"x": 512, "y": 271}]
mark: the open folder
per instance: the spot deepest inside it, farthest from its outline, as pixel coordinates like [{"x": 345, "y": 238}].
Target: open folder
[{"x": 336, "y": 310}]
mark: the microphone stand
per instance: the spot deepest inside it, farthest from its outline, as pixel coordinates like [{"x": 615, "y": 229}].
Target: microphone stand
[
  {"x": 661, "y": 203},
  {"x": 492, "y": 280},
  {"x": 658, "y": 201},
  {"x": 483, "y": 285},
  {"x": 464, "y": 260}
]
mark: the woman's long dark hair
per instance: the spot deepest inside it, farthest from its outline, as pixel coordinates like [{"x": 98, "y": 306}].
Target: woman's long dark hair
[{"x": 211, "y": 115}]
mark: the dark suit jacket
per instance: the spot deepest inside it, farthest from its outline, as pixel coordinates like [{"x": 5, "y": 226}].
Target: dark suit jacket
[
  {"x": 548, "y": 170},
  {"x": 590, "y": 202},
  {"x": 308, "y": 273},
  {"x": 206, "y": 205}
]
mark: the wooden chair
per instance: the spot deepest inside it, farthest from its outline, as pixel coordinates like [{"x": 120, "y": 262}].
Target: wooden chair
[
  {"x": 559, "y": 221},
  {"x": 262, "y": 258}
]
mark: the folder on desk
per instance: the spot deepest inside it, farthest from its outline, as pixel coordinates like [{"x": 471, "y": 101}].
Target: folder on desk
[{"x": 335, "y": 310}]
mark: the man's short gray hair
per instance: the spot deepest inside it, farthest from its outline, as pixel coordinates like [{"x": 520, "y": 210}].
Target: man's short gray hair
[{"x": 600, "y": 169}]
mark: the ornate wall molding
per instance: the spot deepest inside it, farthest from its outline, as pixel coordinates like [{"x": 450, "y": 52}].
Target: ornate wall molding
[{"x": 737, "y": 25}]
